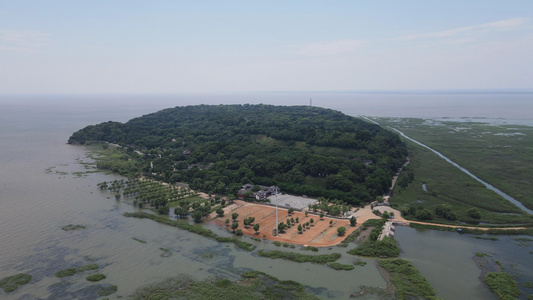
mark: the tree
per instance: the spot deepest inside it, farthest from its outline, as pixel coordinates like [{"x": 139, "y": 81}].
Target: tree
[
  {"x": 197, "y": 216},
  {"x": 181, "y": 211},
  {"x": 321, "y": 215},
  {"x": 291, "y": 211},
  {"x": 234, "y": 226},
  {"x": 446, "y": 211},
  {"x": 353, "y": 221},
  {"x": 311, "y": 221},
  {"x": 473, "y": 213},
  {"x": 238, "y": 232},
  {"x": 227, "y": 222},
  {"x": 330, "y": 222},
  {"x": 341, "y": 230},
  {"x": 246, "y": 222},
  {"x": 385, "y": 215},
  {"x": 117, "y": 196},
  {"x": 220, "y": 212},
  {"x": 424, "y": 214},
  {"x": 300, "y": 229},
  {"x": 297, "y": 220},
  {"x": 163, "y": 210},
  {"x": 234, "y": 216},
  {"x": 306, "y": 213},
  {"x": 256, "y": 228}
]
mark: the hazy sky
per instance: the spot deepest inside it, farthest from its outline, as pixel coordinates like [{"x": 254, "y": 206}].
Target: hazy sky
[{"x": 213, "y": 46}]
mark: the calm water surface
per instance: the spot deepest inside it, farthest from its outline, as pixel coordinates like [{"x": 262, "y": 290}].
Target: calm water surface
[{"x": 43, "y": 187}]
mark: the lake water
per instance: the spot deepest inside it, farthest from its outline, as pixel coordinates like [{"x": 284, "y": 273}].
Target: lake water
[{"x": 43, "y": 187}]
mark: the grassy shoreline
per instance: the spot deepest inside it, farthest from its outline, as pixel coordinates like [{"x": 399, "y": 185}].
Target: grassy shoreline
[{"x": 191, "y": 228}]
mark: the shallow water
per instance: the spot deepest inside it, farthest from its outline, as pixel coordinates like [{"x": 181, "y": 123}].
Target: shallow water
[{"x": 40, "y": 192}]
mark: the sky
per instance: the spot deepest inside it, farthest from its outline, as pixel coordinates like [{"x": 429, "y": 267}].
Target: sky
[{"x": 167, "y": 47}]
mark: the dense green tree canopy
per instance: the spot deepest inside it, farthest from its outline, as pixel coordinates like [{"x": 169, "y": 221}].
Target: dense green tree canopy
[{"x": 304, "y": 150}]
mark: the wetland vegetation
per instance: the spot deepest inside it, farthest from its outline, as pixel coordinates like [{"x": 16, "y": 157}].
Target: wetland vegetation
[
  {"x": 298, "y": 257},
  {"x": 192, "y": 228},
  {"x": 72, "y": 271},
  {"x": 408, "y": 282},
  {"x": 254, "y": 285},
  {"x": 11, "y": 283},
  {"x": 496, "y": 153},
  {"x": 96, "y": 277},
  {"x": 71, "y": 227}
]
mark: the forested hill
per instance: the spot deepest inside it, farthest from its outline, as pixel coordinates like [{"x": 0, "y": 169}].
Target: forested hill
[{"x": 304, "y": 150}]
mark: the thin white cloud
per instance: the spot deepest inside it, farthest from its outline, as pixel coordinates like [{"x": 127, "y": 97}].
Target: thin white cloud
[
  {"x": 330, "y": 48},
  {"x": 468, "y": 30},
  {"x": 22, "y": 40}
]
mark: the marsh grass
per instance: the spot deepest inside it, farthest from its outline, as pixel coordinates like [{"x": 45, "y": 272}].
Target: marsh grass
[
  {"x": 338, "y": 266},
  {"x": 311, "y": 248},
  {"x": 166, "y": 252},
  {"x": 502, "y": 284},
  {"x": 108, "y": 290},
  {"x": 11, "y": 283},
  {"x": 71, "y": 227},
  {"x": 96, "y": 277},
  {"x": 192, "y": 228},
  {"x": 359, "y": 262},
  {"x": 255, "y": 285},
  {"x": 409, "y": 283},
  {"x": 498, "y": 154},
  {"x": 387, "y": 247},
  {"x": 490, "y": 238},
  {"x": 72, "y": 271},
  {"x": 297, "y": 257}
]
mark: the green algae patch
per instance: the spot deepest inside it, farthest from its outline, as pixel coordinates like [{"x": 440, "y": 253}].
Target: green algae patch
[{"x": 11, "y": 283}]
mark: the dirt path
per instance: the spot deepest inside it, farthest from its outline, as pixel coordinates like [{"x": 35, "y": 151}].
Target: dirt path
[{"x": 466, "y": 227}]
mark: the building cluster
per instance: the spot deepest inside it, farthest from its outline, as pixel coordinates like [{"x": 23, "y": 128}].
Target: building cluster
[{"x": 259, "y": 192}]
